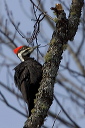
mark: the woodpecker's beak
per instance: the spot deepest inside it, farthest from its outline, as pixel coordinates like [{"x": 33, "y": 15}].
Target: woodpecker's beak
[
  {"x": 31, "y": 49},
  {"x": 25, "y": 51}
]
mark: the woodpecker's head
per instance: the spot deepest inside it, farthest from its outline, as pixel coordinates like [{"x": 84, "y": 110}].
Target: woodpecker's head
[{"x": 24, "y": 51}]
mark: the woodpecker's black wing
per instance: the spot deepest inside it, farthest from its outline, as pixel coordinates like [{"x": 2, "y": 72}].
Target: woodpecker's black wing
[
  {"x": 22, "y": 80},
  {"x": 28, "y": 75}
]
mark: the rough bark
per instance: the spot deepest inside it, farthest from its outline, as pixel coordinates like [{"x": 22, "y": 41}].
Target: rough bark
[
  {"x": 65, "y": 30},
  {"x": 74, "y": 17}
]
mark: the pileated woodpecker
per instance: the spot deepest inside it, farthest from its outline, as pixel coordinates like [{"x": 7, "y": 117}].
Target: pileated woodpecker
[{"x": 28, "y": 75}]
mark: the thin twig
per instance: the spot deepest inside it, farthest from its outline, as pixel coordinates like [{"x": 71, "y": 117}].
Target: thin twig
[
  {"x": 66, "y": 112},
  {"x": 56, "y": 118},
  {"x": 6, "y": 102}
]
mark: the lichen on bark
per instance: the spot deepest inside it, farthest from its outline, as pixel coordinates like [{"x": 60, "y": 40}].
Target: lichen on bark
[{"x": 65, "y": 30}]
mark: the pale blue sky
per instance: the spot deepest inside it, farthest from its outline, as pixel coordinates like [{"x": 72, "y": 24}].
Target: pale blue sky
[{"x": 8, "y": 117}]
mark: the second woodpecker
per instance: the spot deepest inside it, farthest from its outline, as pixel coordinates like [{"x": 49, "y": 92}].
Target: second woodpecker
[{"x": 28, "y": 75}]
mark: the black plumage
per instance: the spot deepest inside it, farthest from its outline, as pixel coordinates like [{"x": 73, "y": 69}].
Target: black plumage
[{"x": 27, "y": 77}]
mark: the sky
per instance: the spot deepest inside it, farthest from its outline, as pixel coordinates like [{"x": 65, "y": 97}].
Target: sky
[{"x": 10, "y": 118}]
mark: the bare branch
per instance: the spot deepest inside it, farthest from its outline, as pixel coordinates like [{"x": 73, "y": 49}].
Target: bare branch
[
  {"x": 10, "y": 106},
  {"x": 75, "y": 125}
]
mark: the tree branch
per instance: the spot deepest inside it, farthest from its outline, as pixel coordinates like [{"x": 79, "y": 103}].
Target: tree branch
[
  {"x": 52, "y": 61},
  {"x": 75, "y": 125},
  {"x": 10, "y": 106},
  {"x": 74, "y": 17}
]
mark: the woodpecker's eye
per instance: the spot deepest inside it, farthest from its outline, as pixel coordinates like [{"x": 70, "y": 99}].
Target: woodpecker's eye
[
  {"x": 26, "y": 52},
  {"x": 24, "y": 47}
]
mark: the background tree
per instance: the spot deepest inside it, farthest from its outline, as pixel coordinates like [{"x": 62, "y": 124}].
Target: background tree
[{"x": 68, "y": 106}]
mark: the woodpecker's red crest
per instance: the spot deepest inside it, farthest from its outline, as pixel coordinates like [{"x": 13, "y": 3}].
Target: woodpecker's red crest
[
  {"x": 23, "y": 48},
  {"x": 24, "y": 51},
  {"x": 28, "y": 74},
  {"x": 16, "y": 50}
]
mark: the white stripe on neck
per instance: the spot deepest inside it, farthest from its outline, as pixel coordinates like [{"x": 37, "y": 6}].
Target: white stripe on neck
[{"x": 20, "y": 56}]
